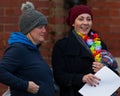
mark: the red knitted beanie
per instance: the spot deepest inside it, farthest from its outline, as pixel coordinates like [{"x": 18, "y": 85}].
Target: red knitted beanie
[{"x": 77, "y": 10}]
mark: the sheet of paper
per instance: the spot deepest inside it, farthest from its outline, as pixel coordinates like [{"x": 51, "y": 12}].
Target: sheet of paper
[{"x": 109, "y": 83}]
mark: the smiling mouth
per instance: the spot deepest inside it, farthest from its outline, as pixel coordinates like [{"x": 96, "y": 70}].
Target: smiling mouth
[{"x": 84, "y": 27}]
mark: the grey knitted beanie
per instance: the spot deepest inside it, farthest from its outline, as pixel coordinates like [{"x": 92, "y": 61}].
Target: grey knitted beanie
[{"x": 30, "y": 18}]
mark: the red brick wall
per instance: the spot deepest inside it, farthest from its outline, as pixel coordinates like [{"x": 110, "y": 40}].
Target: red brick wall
[{"x": 106, "y": 21}]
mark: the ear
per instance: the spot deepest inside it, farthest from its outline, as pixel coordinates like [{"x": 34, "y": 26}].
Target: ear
[{"x": 73, "y": 24}]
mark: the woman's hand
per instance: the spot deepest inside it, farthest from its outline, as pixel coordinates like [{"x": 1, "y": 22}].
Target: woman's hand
[
  {"x": 32, "y": 87},
  {"x": 97, "y": 66},
  {"x": 91, "y": 79}
]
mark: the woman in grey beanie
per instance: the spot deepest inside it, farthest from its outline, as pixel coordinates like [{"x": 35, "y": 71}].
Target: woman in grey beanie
[{"x": 22, "y": 67}]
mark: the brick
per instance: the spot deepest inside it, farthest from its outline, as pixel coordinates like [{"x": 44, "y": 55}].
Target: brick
[
  {"x": 100, "y": 13},
  {"x": 13, "y": 12},
  {"x": 42, "y": 4},
  {"x": 114, "y": 12},
  {"x": 8, "y": 20},
  {"x": 11, "y": 28},
  {"x": 1, "y": 28},
  {"x": 1, "y": 11}
]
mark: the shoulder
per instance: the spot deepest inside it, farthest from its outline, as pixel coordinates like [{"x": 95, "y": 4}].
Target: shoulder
[
  {"x": 104, "y": 46},
  {"x": 17, "y": 46},
  {"x": 61, "y": 42},
  {"x": 15, "y": 49}
]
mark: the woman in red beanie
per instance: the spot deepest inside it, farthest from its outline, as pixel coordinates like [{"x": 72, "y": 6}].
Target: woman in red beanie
[{"x": 77, "y": 57}]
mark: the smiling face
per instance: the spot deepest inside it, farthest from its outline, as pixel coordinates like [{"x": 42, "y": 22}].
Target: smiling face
[
  {"x": 38, "y": 34},
  {"x": 83, "y": 23}
]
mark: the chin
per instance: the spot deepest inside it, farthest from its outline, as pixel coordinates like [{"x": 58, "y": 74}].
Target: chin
[{"x": 85, "y": 32}]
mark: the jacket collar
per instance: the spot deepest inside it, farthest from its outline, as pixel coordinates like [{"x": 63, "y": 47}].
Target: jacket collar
[{"x": 74, "y": 47}]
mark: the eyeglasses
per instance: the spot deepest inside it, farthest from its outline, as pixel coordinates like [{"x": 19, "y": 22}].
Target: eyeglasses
[{"x": 41, "y": 26}]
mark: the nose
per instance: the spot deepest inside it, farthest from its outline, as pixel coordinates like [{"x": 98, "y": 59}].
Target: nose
[
  {"x": 44, "y": 29},
  {"x": 85, "y": 21}
]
